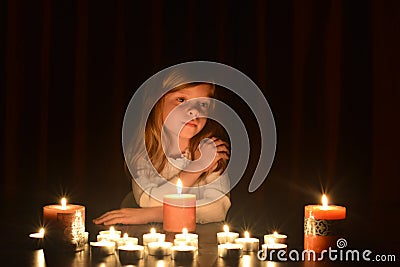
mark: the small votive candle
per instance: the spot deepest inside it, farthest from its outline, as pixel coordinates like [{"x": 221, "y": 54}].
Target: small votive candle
[
  {"x": 130, "y": 254},
  {"x": 37, "y": 239},
  {"x": 248, "y": 243},
  {"x": 230, "y": 251},
  {"x": 126, "y": 240},
  {"x": 159, "y": 249},
  {"x": 274, "y": 251},
  {"x": 102, "y": 248},
  {"x": 153, "y": 236},
  {"x": 109, "y": 235},
  {"x": 183, "y": 253},
  {"x": 275, "y": 238},
  {"x": 186, "y": 242},
  {"x": 226, "y": 236}
]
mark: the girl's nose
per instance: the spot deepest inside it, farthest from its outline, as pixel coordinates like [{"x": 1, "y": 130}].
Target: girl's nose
[{"x": 193, "y": 112}]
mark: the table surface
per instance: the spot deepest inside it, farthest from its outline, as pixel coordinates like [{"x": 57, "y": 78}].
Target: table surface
[{"x": 207, "y": 254}]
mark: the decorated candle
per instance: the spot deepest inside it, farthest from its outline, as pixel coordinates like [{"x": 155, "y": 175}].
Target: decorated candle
[
  {"x": 248, "y": 243},
  {"x": 322, "y": 225},
  {"x": 226, "y": 236},
  {"x": 153, "y": 236},
  {"x": 275, "y": 238},
  {"x": 66, "y": 222},
  {"x": 179, "y": 211}
]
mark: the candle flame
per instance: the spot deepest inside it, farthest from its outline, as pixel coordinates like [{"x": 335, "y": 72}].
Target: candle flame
[
  {"x": 41, "y": 231},
  {"x": 126, "y": 236},
  {"x": 324, "y": 201},
  {"x": 275, "y": 233},
  {"x": 63, "y": 203},
  {"x": 152, "y": 231},
  {"x": 246, "y": 234},
  {"x": 185, "y": 231},
  {"x": 112, "y": 230},
  {"x": 179, "y": 186},
  {"x": 226, "y": 228}
]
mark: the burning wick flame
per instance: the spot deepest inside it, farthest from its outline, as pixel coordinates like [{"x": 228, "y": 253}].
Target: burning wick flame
[
  {"x": 41, "y": 232},
  {"x": 246, "y": 234},
  {"x": 152, "y": 231},
  {"x": 275, "y": 233},
  {"x": 63, "y": 203},
  {"x": 179, "y": 186},
  {"x": 185, "y": 231},
  {"x": 324, "y": 201},
  {"x": 226, "y": 228}
]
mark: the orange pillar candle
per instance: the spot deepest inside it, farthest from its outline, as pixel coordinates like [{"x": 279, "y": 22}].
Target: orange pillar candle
[
  {"x": 179, "y": 211},
  {"x": 322, "y": 225},
  {"x": 66, "y": 220}
]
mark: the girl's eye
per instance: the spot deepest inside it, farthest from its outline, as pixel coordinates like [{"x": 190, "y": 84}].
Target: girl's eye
[
  {"x": 204, "y": 105},
  {"x": 181, "y": 99}
]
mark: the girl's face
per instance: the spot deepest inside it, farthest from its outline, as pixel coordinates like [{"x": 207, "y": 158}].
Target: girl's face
[{"x": 183, "y": 110}]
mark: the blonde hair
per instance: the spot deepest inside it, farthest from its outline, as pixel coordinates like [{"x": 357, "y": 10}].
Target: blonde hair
[{"x": 153, "y": 128}]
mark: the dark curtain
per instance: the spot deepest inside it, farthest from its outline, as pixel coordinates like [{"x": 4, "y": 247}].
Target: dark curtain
[{"x": 329, "y": 69}]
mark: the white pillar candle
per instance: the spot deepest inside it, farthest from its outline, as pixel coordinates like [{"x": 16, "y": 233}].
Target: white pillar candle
[
  {"x": 130, "y": 254},
  {"x": 230, "y": 251},
  {"x": 248, "y": 243},
  {"x": 226, "y": 236},
  {"x": 159, "y": 248},
  {"x": 183, "y": 253},
  {"x": 153, "y": 236}
]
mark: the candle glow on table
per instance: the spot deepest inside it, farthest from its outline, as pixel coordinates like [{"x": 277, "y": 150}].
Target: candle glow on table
[
  {"x": 179, "y": 211},
  {"x": 248, "y": 243},
  {"x": 226, "y": 236},
  {"x": 322, "y": 225},
  {"x": 67, "y": 222}
]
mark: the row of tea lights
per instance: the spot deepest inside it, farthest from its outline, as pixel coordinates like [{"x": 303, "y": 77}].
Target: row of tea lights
[{"x": 184, "y": 247}]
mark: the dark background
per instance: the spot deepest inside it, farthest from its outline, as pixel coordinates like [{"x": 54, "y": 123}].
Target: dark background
[{"x": 329, "y": 70}]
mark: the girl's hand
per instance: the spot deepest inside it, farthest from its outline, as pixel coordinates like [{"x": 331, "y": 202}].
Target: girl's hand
[
  {"x": 208, "y": 155},
  {"x": 130, "y": 216}
]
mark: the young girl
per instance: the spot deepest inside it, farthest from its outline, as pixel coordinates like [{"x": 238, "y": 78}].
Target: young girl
[{"x": 180, "y": 143}]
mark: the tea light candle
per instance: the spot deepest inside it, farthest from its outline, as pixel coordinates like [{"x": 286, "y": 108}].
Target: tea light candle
[
  {"x": 330, "y": 217},
  {"x": 187, "y": 242},
  {"x": 102, "y": 248},
  {"x": 159, "y": 249},
  {"x": 275, "y": 238},
  {"x": 248, "y": 243},
  {"x": 274, "y": 251},
  {"x": 179, "y": 211},
  {"x": 183, "y": 253},
  {"x": 185, "y": 235},
  {"x": 226, "y": 236},
  {"x": 65, "y": 219},
  {"x": 130, "y": 254},
  {"x": 37, "y": 239},
  {"x": 153, "y": 236},
  {"x": 109, "y": 235},
  {"x": 230, "y": 251},
  {"x": 126, "y": 240}
]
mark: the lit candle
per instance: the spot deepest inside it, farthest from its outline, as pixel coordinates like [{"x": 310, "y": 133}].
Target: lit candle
[
  {"x": 153, "y": 236},
  {"x": 37, "y": 239},
  {"x": 226, "y": 236},
  {"x": 109, "y": 235},
  {"x": 130, "y": 254},
  {"x": 186, "y": 239},
  {"x": 186, "y": 235},
  {"x": 179, "y": 211},
  {"x": 183, "y": 253},
  {"x": 66, "y": 221},
  {"x": 248, "y": 243},
  {"x": 275, "y": 238},
  {"x": 102, "y": 248},
  {"x": 230, "y": 251},
  {"x": 159, "y": 249},
  {"x": 126, "y": 240},
  {"x": 322, "y": 225}
]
